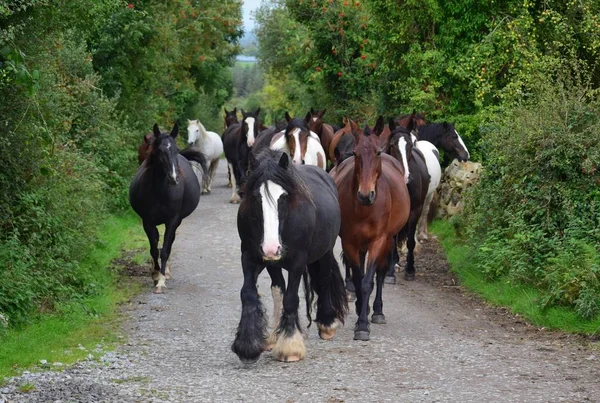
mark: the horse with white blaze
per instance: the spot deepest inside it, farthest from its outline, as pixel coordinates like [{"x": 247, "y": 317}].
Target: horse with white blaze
[{"x": 289, "y": 219}]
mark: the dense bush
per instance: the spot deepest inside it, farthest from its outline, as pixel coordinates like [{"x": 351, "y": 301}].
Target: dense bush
[
  {"x": 535, "y": 215},
  {"x": 80, "y": 83}
]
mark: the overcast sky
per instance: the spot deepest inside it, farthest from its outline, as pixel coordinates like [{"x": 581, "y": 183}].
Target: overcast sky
[{"x": 249, "y": 5}]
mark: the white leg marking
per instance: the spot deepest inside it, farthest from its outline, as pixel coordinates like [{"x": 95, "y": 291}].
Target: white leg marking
[
  {"x": 235, "y": 198},
  {"x": 290, "y": 349},
  {"x": 161, "y": 284},
  {"x": 277, "y": 309}
]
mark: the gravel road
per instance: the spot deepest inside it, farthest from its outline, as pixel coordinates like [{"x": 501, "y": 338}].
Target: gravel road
[{"x": 439, "y": 345}]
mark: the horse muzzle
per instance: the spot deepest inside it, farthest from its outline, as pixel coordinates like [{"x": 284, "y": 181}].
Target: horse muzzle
[
  {"x": 366, "y": 200},
  {"x": 271, "y": 252}
]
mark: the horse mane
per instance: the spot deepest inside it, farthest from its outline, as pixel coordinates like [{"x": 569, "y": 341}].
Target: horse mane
[
  {"x": 268, "y": 168},
  {"x": 431, "y": 131}
]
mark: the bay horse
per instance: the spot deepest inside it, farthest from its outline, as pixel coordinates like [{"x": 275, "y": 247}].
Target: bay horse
[
  {"x": 323, "y": 130},
  {"x": 230, "y": 118},
  {"x": 375, "y": 207},
  {"x": 417, "y": 180},
  {"x": 444, "y": 135},
  {"x": 165, "y": 190},
  {"x": 143, "y": 148},
  {"x": 300, "y": 143},
  {"x": 238, "y": 140},
  {"x": 209, "y": 144},
  {"x": 289, "y": 219}
]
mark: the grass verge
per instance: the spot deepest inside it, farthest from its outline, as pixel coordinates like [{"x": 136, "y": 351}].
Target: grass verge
[
  {"x": 519, "y": 298},
  {"x": 57, "y": 337}
]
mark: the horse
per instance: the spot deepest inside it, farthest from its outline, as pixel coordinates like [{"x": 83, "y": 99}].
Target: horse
[
  {"x": 238, "y": 140},
  {"x": 323, "y": 130},
  {"x": 165, "y": 190},
  {"x": 375, "y": 207},
  {"x": 143, "y": 148},
  {"x": 300, "y": 143},
  {"x": 209, "y": 144},
  {"x": 230, "y": 118},
  {"x": 415, "y": 119},
  {"x": 434, "y": 169},
  {"x": 417, "y": 179},
  {"x": 289, "y": 219},
  {"x": 349, "y": 127},
  {"x": 444, "y": 135}
]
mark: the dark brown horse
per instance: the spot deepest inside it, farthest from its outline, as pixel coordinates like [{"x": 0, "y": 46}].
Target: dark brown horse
[
  {"x": 144, "y": 148},
  {"x": 323, "y": 130},
  {"x": 414, "y": 120},
  {"x": 230, "y": 118},
  {"x": 349, "y": 127},
  {"x": 375, "y": 206}
]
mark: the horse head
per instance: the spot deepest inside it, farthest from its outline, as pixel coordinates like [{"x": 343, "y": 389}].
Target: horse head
[
  {"x": 250, "y": 126},
  {"x": 230, "y": 117},
  {"x": 314, "y": 120},
  {"x": 164, "y": 153},
  {"x": 451, "y": 141},
  {"x": 195, "y": 131},
  {"x": 296, "y": 137},
  {"x": 367, "y": 164},
  {"x": 401, "y": 145}
]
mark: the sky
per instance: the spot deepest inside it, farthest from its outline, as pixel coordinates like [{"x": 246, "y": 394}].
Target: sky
[{"x": 249, "y": 5}]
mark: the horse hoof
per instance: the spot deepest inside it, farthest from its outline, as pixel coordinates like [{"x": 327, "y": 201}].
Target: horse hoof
[
  {"x": 390, "y": 280},
  {"x": 269, "y": 346},
  {"x": 378, "y": 319},
  {"x": 409, "y": 276},
  {"x": 290, "y": 358},
  {"x": 159, "y": 290},
  {"x": 234, "y": 201},
  {"x": 249, "y": 360},
  {"x": 362, "y": 335},
  {"x": 327, "y": 333}
]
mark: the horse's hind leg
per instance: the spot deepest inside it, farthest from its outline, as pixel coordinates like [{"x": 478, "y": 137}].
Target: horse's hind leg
[
  {"x": 290, "y": 343},
  {"x": 277, "y": 290},
  {"x": 229, "y": 184},
  {"x": 332, "y": 304},
  {"x": 250, "y": 337},
  {"x": 235, "y": 198},
  {"x": 165, "y": 252},
  {"x": 423, "y": 233},
  {"x": 153, "y": 237},
  {"x": 409, "y": 271}
]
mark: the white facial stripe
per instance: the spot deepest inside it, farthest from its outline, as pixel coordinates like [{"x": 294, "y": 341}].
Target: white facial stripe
[
  {"x": 402, "y": 148},
  {"x": 270, "y": 212},
  {"x": 298, "y": 151},
  {"x": 174, "y": 172},
  {"x": 250, "y": 122},
  {"x": 463, "y": 144},
  {"x": 315, "y": 119}
]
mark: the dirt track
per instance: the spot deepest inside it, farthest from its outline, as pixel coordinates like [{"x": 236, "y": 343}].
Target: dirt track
[{"x": 439, "y": 344}]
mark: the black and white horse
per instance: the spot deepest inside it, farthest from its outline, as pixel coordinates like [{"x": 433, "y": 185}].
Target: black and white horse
[
  {"x": 444, "y": 135},
  {"x": 289, "y": 219},
  {"x": 165, "y": 191},
  {"x": 238, "y": 140}
]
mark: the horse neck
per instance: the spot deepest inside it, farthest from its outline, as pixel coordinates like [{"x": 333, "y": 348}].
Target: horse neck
[{"x": 432, "y": 136}]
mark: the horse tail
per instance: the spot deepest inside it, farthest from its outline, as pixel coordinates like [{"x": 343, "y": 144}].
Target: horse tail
[
  {"x": 339, "y": 298},
  {"x": 309, "y": 295},
  {"x": 192, "y": 154}
]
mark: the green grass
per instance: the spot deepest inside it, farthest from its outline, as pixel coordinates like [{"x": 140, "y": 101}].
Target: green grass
[
  {"x": 519, "y": 298},
  {"x": 94, "y": 320}
]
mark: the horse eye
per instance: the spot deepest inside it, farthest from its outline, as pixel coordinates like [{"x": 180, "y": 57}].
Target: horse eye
[
  {"x": 379, "y": 153},
  {"x": 353, "y": 154}
]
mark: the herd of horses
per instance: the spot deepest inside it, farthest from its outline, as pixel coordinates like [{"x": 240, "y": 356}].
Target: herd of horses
[{"x": 301, "y": 183}]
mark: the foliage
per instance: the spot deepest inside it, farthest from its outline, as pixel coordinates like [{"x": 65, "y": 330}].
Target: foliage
[
  {"x": 536, "y": 212},
  {"x": 80, "y": 83}
]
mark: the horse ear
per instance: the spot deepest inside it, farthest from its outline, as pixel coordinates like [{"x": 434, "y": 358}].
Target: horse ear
[
  {"x": 307, "y": 117},
  {"x": 257, "y": 112},
  {"x": 354, "y": 126},
  {"x": 312, "y": 111},
  {"x": 284, "y": 161},
  {"x": 378, "y": 129},
  {"x": 322, "y": 113},
  {"x": 149, "y": 138},
  {"x": 243, "y": 113},
  {"x": 225, "y": 109},
  {"x": 235, "y": 110},
  {"x": 392, "y": 124},
  {"x": 288, "y": 118},
  {"x": 156, "y": 130},
  {"x": 411, "y": 123},
  {"x": 367, "y": 130},
  {"x": 445, "y": 125},
  {"x": 175, "y": 130}
]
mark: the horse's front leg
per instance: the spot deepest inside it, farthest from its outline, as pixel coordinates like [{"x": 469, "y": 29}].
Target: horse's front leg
[
  {"x": 250, "y": 337},
  {"x": 170, "y": 229},
  {"x": 390, "y": 277},
  {"x": 290, "y": 342},
  {"x": 153, "y": 237},
  {"x": 277, "y": 291}
]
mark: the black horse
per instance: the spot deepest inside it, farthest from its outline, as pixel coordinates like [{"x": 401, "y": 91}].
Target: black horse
[
  {"x": 417, "y": 180},
  {"x": 289, "y": 219},
  {"x": 165, "y": 190},
  {"x": 230, "y": 117},
  {"x": 444, "y": 136},
  {"x": 238, "y": 140}
]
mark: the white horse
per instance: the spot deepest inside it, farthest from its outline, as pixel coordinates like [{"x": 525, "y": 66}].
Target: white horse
[
  {"x": 431, "y": 154},
  {"x": 209, "y": 144}
]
